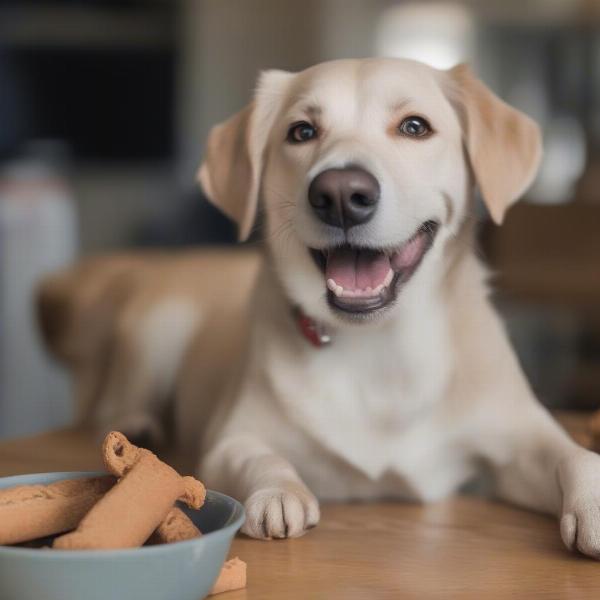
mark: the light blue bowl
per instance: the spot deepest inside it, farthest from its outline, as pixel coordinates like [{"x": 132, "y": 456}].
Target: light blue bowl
[{"x": 181, "y": 571}]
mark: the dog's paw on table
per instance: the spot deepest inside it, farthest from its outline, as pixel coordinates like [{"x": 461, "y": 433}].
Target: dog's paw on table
[
  {"x": 280, "y": 512},
  {"x": 580, "y": 521}
]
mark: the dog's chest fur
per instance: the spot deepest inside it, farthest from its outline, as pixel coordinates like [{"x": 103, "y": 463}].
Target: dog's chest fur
[{"x": 363, "y": 417}]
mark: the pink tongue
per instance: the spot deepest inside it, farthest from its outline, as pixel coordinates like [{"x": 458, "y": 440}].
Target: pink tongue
[
  {"x": 410, "y": 254},
  {"x": 357, "y": 269}
]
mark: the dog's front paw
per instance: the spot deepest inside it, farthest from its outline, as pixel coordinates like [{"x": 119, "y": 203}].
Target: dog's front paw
[
  {"x": 580, "y": 521},
  {"x": 580, "y": 528},
  {"x": 280, "y": 512}
]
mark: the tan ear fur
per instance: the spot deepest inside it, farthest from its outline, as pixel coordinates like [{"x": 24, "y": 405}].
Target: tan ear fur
[
  {"x": 227, "y": 175},
  {"x": 504, "y": 145},
  {"x": 231, "y": 172}
]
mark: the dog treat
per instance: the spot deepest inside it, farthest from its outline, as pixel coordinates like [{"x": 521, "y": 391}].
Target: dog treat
[
  {"x": 120, "y": 455},
  {"x": 176, "y": 527},
  {"x": 28, "y": 512},
  {"x": 130, "y": 512},
  {"x": 232, "y": 577}
]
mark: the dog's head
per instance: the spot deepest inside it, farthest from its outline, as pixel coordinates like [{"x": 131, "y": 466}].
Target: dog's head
[{"x": 363, "y": 167}]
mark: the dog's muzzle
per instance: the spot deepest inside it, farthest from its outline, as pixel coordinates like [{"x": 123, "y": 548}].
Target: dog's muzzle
[{"x": 362, "y": 280}]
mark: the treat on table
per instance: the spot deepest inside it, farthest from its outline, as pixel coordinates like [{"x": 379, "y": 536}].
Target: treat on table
[
  {"x": 28, "y": 512},
  {"x": 232, "y": 577},
  {"x": 129, "y": 512}
]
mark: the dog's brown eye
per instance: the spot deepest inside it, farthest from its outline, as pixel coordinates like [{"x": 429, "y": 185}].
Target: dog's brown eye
[
  {"x": 415, "y": 127},
  {"x": 301, "y": 132}
]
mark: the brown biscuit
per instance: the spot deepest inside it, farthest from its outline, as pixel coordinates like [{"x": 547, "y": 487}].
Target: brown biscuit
[
  {"x": 128, "y": 514},
  {"x": 28, "y": 512},
  {"x": 176, "y": 527},
  {"x": 232, "y": 577},
  {"x": 120, "y": 455}
]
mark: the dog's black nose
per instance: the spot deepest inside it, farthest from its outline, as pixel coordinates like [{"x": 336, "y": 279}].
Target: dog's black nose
[{"x": 344, "y": 197}]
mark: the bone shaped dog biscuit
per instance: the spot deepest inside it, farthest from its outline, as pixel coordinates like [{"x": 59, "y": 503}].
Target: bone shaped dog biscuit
[{"x": 145, "y": 493}]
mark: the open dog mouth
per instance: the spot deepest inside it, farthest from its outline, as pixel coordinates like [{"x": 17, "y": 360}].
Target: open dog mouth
[{"x": 361, "y": 280}]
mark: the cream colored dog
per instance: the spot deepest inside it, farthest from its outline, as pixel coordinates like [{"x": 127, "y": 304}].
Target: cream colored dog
[{"x": 375, "y": 365}]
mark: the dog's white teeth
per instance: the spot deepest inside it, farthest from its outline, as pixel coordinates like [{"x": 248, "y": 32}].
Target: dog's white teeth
[
  {"x": 339, "y": 291},
  {"x": 388, "y": 278}
]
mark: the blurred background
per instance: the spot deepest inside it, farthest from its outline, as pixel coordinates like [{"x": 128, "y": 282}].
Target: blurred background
[{"x": 105, "y": 106}]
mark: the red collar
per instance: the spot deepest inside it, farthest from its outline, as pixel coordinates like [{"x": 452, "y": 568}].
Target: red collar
[{"x": 316, "y": 333}]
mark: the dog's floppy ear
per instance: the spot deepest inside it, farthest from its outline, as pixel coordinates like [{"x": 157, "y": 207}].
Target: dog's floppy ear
[
  {"x": 503, "y": 144},
  {"x": 232, "y": 169}
]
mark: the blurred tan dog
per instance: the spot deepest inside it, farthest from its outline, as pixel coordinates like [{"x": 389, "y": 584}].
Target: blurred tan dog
[{"x": 374, "y": 365}]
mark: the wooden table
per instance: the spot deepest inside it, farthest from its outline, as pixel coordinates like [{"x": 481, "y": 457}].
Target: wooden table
[{"x": 460, "y": 548}]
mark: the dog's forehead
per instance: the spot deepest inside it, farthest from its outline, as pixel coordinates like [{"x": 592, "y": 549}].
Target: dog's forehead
[{"x": 384, "y": 82}]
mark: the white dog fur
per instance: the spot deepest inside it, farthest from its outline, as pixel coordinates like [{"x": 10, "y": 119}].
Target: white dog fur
[{"x": 414, "y": 401}]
